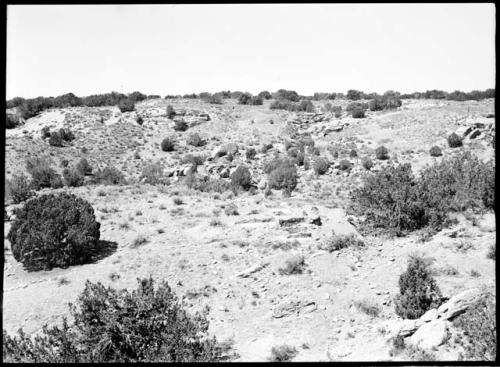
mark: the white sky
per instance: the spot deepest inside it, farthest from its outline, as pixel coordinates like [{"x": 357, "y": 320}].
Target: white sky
[{"x": 177, "y": 49}]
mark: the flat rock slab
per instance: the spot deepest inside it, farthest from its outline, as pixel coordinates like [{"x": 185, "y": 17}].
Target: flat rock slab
[
  {"x": 290, "y": 221},
  {"x": 291, "y": 307},
  {"x": 246, "y": 273},
  {"x": 458, "y": 303}
]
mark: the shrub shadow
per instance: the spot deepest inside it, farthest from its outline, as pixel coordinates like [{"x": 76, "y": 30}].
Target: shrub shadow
[{"x": 102, "y": 250}]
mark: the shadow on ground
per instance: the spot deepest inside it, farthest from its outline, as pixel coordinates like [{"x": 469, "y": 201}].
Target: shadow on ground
[{"x": 103, "y": 250}]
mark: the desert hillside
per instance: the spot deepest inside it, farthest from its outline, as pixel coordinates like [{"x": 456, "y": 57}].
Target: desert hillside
[{"x": 258, "y": 260}]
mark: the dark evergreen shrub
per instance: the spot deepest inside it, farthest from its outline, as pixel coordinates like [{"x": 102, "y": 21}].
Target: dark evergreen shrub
[
  {"x": 265, "y": 95},
  {"x": 170, "y": 112},
  {"x": 367, "y": 163},
  {"x": 45, "y": 132},
  {"x": 283, "y": 104},
  {"x": 66, "y": 134},
  {"x": 84, "y": 167},
  {"x": 389, "y": 201},
  {"x": 454, "y": 141},
  {"x": 137, "y": 97},
  {"x": 282, "y": 174},
  {"x": 377, "y": 104},
  {"x": 306, "y": 106},
  {"x": 55, "y": 230},
  {"x": 345, "y": 165},
  {"x": 418, "y": 291},
  {"x": 126, "y": 105},
  {"x": 300, "y": 159},
  {"x": 358, "y": 113},
  {"x": 241, "y": 177},
  {"x": 11, "y": 121},
  {"x": 354, "y": 95},
  {"x": 357, "y": 109},
  {"x": 73, "y": 177},
  {"x": 321, "y": 165},
  {"x": 56, "y": 181},
  {"x": 42, "y": 174},
  {"x": 109, "y": 176},
  {"x": 244, "y": 98},
  {"x": 168, "y": 144},
  {"x": 392, "y": 102},
  {"x": 206, "y": 184},
  {"x": 459, "y": 183},
  {"x": 139, "y": 120},
  {"x": 153, "y": 174},
  {"x": 180, "y": 125},
  {"x": 213, "y": 98},
  {"x": 251, "y": 153},
  {"x": 289, "y": 95},
  {"x": 56, "y": 139},
  {"x": 382, "y": 153},
  {"x": 435, "y": 151},
  {"x": 256, "y": 101},
  {"x": 194, "y": 139},
  {"x": 148, "y": 324},
  {"x": 19, "y": 188}
]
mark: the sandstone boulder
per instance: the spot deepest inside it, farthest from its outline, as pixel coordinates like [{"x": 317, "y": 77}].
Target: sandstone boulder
[
  {"x": 487, "y": 223},
  {"x": 458, "y": 303},
  {"x": 463, "y": 131},
  {"x": 430, "y": 335}
]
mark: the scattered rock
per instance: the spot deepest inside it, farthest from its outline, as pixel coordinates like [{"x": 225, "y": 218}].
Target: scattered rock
[
  {"x": 430, "y": 335},
  {"x": 290, "y": 307},
  {"x": 253, "y": 269},
  {"x": 403, "y": 328},
  {"x": 290, "y": 221},
  {"x": 204, "y": 116},
  {"x": 332, "y": 129},
  {"x": 314, "y": 217},
  {"x": 463, "y": 131}
]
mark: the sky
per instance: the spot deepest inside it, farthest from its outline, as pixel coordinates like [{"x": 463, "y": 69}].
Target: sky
[{"x": 178, "y": 49}]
